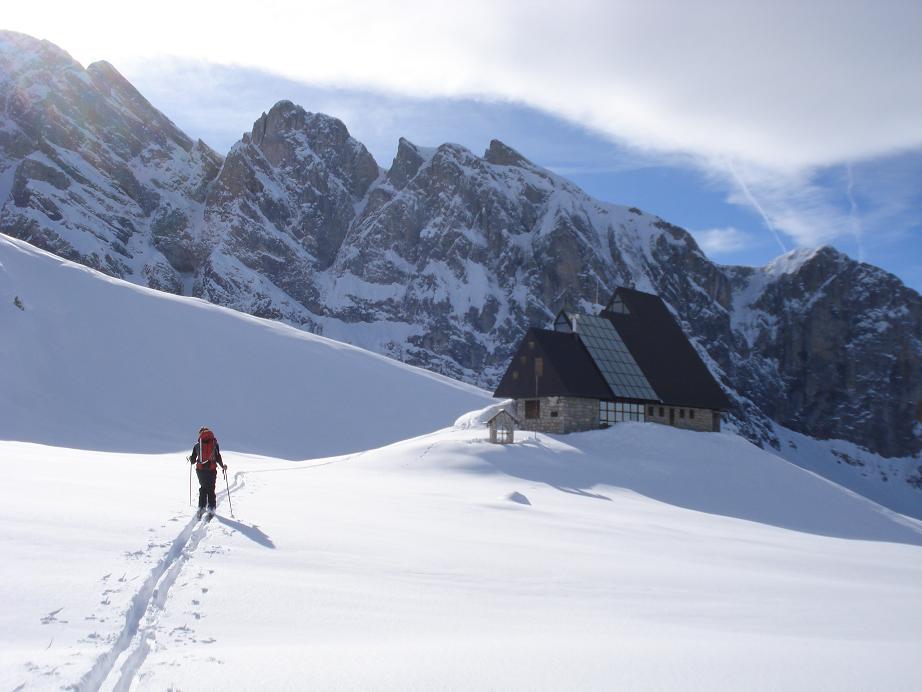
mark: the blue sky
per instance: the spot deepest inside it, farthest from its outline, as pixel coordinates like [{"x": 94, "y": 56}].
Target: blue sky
[{"x": 757, "y": 126}]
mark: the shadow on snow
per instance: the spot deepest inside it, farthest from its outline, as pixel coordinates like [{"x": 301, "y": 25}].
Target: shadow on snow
[
  {"x": 718, "y": 474},
  {"x": 252, "y": 532}
]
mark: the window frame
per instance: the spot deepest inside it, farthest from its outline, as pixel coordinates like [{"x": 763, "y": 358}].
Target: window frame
[
  {"x": 533, "y": 409},
  {"x": 618, "y": 411}
]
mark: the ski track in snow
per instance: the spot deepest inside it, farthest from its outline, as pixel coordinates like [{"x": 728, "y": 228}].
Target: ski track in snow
[
  {"x": 142, "y": 617},
  {"x": 142, "y": 603},
  {"x": 145, "y": 607}
]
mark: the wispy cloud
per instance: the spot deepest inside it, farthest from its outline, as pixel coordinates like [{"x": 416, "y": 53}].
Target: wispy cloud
[
  {"x": 854, "y": 212},
  {"x": 722, "y": 241},
  {"x": 750, "y": 198}
]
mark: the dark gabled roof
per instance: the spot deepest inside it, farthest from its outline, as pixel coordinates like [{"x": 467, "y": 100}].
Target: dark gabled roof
[
  {"x": 663, "y": 352},
  {"x": 568, "y": 369},
  {"x": 667, "y": 360}
]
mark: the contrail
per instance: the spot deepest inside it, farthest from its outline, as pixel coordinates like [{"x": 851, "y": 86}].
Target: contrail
[
  {"x": 857, "y": 229},
  {"x": 754, "y": 202}
]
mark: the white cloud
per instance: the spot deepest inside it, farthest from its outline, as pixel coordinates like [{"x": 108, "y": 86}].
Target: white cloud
[
  {"x": 722, "y": 241},
  {"x": 779, "y": 85}
]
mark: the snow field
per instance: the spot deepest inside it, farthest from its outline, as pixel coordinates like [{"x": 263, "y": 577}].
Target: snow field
[
  {"x": 408, "y": 567},
  {"x": 81, "y": 533},
  {"x": 640, "y": 557}
]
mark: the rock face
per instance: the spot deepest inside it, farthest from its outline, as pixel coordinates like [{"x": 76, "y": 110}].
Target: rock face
[
  {"x": 843, "y": 340},
  {"x": 442, "y": 260},
  {"x": 93, "y": 172},
  {"x": 279, "y": 210}
]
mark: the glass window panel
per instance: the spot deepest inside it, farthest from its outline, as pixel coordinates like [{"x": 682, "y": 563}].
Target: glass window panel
[{"x": 613, "y": 358}]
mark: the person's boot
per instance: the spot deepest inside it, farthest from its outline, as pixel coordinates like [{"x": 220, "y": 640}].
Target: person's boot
[{"x": 201, "y": 511}]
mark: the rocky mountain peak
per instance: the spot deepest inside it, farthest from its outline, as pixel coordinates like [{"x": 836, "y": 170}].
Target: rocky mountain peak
[
  {"x": 406, "y": 163},
  {"x": 110, "y": 82},
  {"x": 20, "y": 51},
  {"x": 455, "y": 164},
  {"x": 793, "y": 260},
  {"x": 282, "y": 118},
  {"x": 454, "y": 151},
  {"x": 106, "y": 73},
  {"x": 288, "y": 136},
  {"x": 502, "y": 154}
]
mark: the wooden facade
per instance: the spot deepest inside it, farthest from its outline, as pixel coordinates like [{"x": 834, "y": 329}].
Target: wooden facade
[{"x": 502, "y": 427}]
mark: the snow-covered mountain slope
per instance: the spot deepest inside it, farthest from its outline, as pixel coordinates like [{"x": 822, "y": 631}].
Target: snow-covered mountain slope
[
  {"x": 97, "y": 363},
  {"x": 895, "y": 483},
  {"x": 640, "y": 557},
  {"x": 444, "y": 259}
]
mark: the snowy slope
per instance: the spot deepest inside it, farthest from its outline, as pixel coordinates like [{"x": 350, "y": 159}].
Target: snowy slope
[
  {"x": 95, "y": 363},
  {"x": 639, "y": 557}
]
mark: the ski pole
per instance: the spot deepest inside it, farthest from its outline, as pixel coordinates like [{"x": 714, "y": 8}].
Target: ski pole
[
  {"x": 189, "y": 459},
  {"x": 224, "y": 469}
]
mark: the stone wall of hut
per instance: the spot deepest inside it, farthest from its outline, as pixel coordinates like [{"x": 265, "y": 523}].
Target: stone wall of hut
[
  {"x": 560, "y": 414},
  {"x": 687, "y": 418}
]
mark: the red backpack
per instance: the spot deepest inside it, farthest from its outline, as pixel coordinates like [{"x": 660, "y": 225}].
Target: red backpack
[{"x": 207, "y": 443}]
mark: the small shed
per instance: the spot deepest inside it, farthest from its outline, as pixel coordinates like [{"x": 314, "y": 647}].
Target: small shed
[{"x": 502, "y": 427}]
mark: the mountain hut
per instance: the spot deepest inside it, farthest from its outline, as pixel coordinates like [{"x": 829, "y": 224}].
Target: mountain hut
[{"x": 630, "y": 362}]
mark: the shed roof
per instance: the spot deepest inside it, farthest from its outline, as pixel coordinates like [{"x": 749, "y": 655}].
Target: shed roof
[{"x": 499, "y": 413}]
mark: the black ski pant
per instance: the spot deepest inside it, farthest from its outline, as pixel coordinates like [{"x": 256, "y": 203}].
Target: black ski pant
[{"x": 206, "y": 481}]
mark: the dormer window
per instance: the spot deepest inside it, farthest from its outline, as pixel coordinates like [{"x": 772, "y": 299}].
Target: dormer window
[
  {"x": 562, "y": 323},
  {"x": 617, "y": 306}
]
